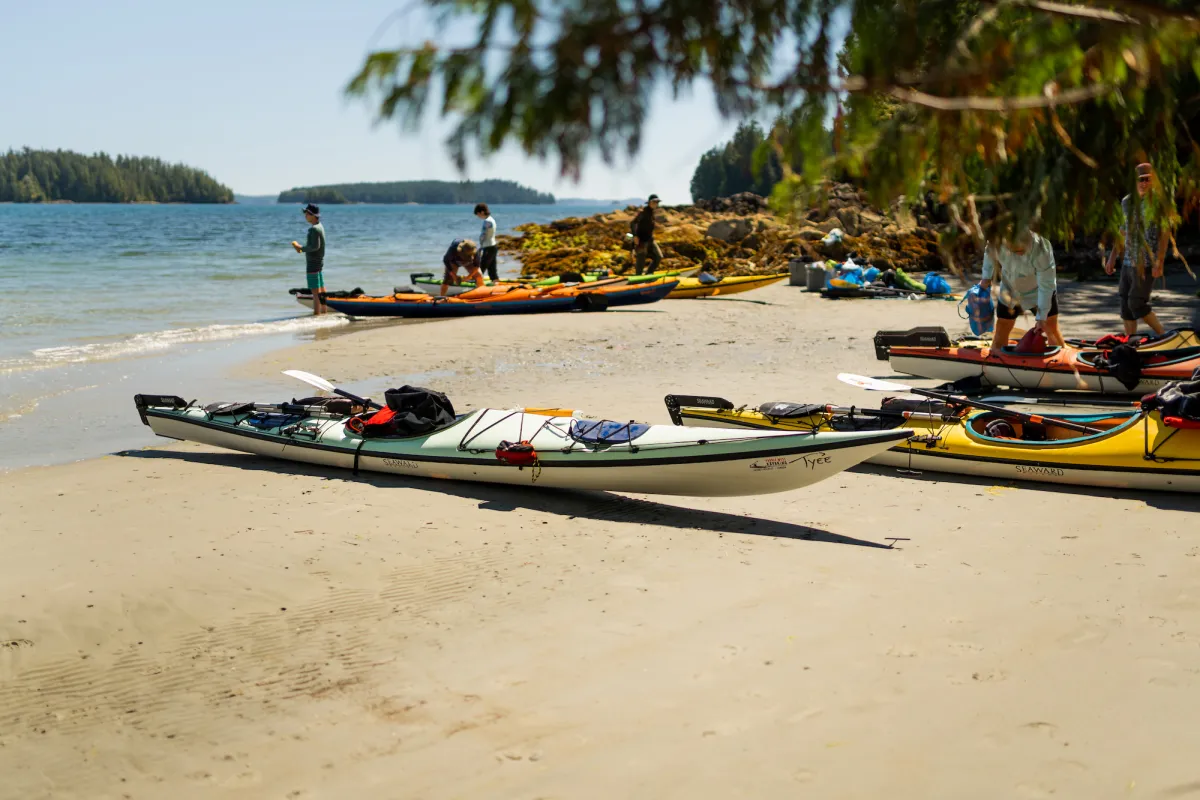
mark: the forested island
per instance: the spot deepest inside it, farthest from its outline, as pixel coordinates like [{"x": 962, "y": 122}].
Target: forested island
[
  {"x": 423, "y": 192},
  {"x": 48, "y": 176}
]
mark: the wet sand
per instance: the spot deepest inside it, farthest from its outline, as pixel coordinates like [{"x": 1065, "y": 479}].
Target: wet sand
[{"x": 191, "y": 623}]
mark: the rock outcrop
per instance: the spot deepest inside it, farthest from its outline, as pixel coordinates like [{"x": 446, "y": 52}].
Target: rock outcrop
[{"x": 735, "y": 235}]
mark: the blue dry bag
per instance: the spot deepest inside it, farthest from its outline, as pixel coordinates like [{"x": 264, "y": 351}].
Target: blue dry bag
[
  {"x": 981, "y": 311},
  {"x": 936, "y": 284}
]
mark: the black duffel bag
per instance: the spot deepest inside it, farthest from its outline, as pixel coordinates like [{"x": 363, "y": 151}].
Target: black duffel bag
[{"x": 418, "y": 410}]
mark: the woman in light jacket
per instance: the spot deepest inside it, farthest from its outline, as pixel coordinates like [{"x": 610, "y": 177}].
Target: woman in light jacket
[{"x": 1024, "y": 269}]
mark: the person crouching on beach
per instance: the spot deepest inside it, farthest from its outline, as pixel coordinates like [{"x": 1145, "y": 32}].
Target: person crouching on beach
[
  {"x": 314, "y": 257},
  {"x": 1024, "y": 268},
  {"x": 488, "y": 249},
  {"x": 1143, "y": 251},
  {"x": 462, "y": 253}
]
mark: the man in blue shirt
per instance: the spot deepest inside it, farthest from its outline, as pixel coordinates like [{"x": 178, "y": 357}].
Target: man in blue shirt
[
  {"x": 462, "y": 253},
  {"x": 1142, "y": 253},
  {"x": 1025, "y": 270}
]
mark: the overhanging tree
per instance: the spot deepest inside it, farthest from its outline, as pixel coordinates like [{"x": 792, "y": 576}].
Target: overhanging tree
[{"x": 1038, "y": 108}]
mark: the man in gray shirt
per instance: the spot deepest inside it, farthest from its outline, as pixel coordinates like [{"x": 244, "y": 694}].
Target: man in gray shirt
[{"x": 1144, "y": 249}]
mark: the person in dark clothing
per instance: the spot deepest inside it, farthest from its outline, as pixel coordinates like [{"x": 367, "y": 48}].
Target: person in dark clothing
[
  {"x": 314, "y": 257},
  {"x": 644, "y": 245},
  {"x": 488, "y": 250},
  {"x": 462, "y": 253},
  {"x": 1144, "y": 249}
]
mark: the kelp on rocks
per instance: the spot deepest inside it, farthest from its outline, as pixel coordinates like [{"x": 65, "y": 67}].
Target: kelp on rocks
[{"x": 745, "y": 244}]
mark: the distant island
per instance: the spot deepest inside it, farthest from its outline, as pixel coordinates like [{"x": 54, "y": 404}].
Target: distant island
[
  {"x": 61, "y": 176},
  {"x": 255, "y": 199},
  {"x": 629, "y": 201},
  {"x": 423, "y": 192}
]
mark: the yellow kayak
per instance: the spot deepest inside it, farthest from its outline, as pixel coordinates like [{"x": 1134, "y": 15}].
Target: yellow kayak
[
  {"x": 692, "y": 287},
  {"x": 1133, "y": 449}
]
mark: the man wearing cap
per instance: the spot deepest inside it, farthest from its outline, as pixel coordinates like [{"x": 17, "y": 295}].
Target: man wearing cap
[
  {"x": 1143, "y": 251},
  {"x": 643, "y": 238},
  {"x": 314, "y": 257}
]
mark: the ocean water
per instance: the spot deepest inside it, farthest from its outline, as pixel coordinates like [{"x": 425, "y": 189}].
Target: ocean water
[{"x": 104, "y": 301}]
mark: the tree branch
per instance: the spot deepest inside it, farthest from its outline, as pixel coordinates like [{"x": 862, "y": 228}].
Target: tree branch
[{"x": 1000, "y": 104}]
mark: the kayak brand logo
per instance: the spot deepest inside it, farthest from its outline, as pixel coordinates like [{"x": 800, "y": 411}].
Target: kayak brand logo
[
  {"x": 1054, "y": 471},
  {"x": 400, "y": 463},
  {"x": 810, "y": 461}
]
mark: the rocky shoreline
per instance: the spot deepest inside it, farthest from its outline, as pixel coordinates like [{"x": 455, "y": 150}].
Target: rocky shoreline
[{"x": 736, "y": 235}]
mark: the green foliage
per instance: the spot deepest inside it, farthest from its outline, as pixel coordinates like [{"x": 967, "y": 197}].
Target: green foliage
[
  {"x": 1037, "y": 110},
  {"x": 746, "y": 163},
  {"x": 35, "y": 176},
  {"x": 424, "y": 192}
]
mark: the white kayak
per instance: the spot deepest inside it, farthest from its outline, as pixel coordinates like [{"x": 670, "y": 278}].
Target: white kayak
[{"x": 569, "y": 453}]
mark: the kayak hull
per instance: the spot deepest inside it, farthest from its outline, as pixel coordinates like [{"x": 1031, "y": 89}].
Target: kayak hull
[
  {"x": 700, "y": 463},
  {"x": 434, "y": 310},
  {"x": 690, "y": 288},
  {"x": 1116, "y": 459},
  {"x": 1063, "y": 368}
]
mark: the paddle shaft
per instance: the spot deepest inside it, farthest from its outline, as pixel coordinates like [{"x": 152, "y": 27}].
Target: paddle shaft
[
  {"x": 1062, "y": 423},
  {"x": 362, "y": 401}
]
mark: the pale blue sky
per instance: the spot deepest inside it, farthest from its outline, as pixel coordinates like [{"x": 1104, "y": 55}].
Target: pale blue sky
[{"x": 251, "y": 91}]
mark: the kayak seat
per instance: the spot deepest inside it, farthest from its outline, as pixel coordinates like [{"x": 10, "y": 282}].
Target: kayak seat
[
  {"x": 785, "y": 410},
  {"x": 606, "y": 431},
  {"x": 1182, "y": 423}
]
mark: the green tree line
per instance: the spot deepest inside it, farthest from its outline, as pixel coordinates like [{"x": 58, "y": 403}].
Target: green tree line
[
  {"x": 424, "y": 192},
  {"x": 742, "y": 164},
  {"x": 39, "y": 176}
]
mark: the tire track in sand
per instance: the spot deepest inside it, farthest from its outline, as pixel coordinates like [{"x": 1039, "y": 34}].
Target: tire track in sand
[{"x": 193, "y": 688}]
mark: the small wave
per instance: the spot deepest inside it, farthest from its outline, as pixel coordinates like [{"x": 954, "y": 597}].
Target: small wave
[
  {"x": 251, "y": 276},
  {"x": 150, "y": 343}
]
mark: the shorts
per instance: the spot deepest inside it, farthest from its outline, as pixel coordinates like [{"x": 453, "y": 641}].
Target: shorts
[
  {"x": 487, "y": 262},
  {"x": 316, "y": 281},
  {"x": 1134, "y": 291},
  {"x": 1012, "y": 312}
]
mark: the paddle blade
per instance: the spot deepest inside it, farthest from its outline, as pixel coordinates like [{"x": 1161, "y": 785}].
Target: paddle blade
[
  {"x": 874, "y": 384},
  {"x": 310, "y": 379}
]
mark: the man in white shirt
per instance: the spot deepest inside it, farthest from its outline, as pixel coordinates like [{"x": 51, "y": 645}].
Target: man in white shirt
[{"x": 487, "y": 242}]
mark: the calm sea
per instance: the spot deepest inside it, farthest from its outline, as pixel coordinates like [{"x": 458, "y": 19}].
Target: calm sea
[{"x": 100, "y": 299}]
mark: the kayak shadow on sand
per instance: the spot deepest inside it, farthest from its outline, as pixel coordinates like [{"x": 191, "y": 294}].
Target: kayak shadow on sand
[
  {"x": 599, "y": 506},
  {"x": 1166, "y": 501}
]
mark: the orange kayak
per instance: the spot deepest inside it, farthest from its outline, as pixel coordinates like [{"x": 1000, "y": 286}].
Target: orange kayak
[{"x": 1058, "y": 368}]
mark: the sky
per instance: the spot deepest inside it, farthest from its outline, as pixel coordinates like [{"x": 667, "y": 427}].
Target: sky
[{"x": 252, "y": 92}]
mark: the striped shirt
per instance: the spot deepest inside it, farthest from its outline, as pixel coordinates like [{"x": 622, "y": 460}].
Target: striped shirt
[{"x": 1139, "y": 237}]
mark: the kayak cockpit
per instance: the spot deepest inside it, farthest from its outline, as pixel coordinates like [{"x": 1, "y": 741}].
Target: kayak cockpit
[{"x": 998, "y": 428}]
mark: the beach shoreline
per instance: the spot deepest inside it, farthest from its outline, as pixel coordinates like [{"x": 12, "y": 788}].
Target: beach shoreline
[{"x": 185, "y": 621}]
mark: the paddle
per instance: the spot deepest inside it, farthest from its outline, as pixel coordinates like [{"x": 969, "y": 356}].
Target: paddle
[
  {"x": 326, "y": 386},
  {"x": 876, "y": 385}
]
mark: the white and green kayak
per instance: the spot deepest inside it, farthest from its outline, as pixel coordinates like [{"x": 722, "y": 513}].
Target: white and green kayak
[{"x": 565, "y": 452}]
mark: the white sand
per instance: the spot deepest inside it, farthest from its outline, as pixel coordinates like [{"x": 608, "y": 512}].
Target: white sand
[{"x": 459, "y": 640}]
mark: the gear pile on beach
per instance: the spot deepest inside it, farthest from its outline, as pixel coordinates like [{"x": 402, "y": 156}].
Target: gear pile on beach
[{"x": 733, "y": 236}]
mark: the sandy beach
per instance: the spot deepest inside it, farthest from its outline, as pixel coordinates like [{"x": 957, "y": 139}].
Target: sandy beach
[{"x": 185, "y": 622}]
